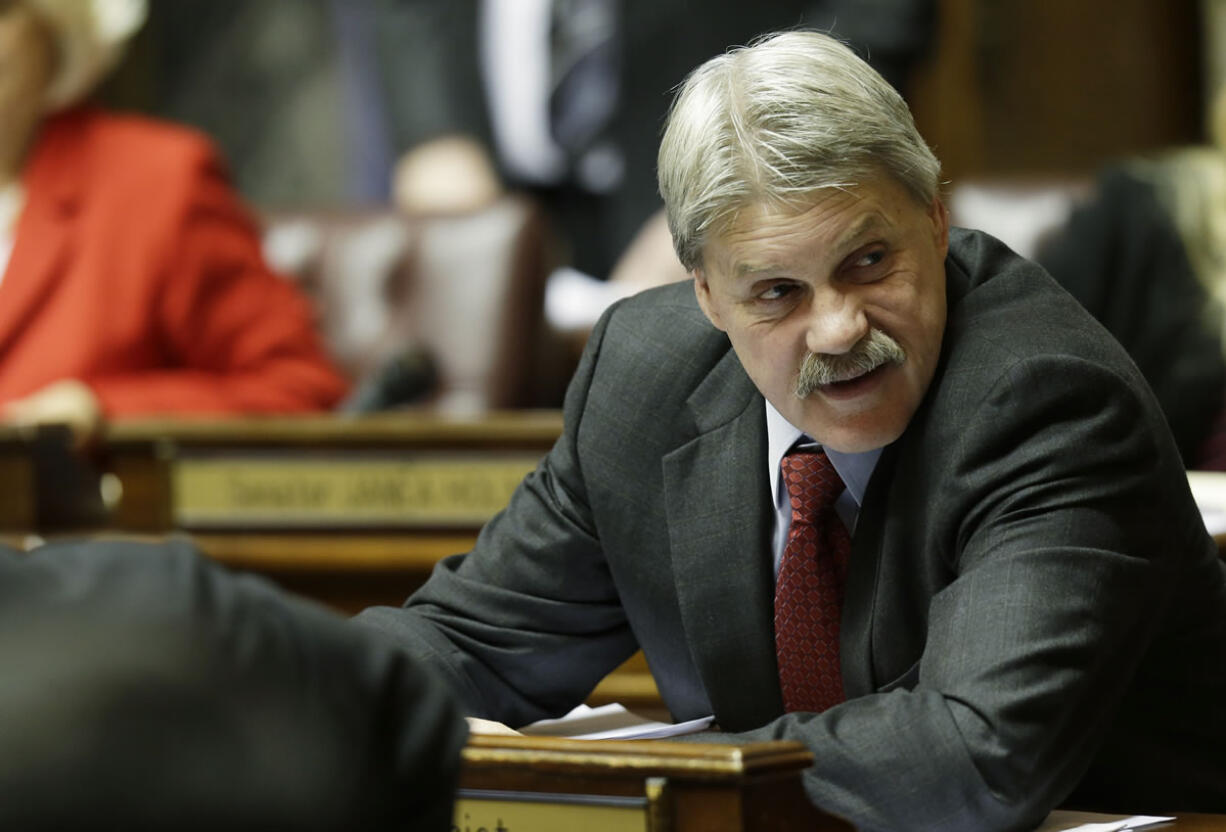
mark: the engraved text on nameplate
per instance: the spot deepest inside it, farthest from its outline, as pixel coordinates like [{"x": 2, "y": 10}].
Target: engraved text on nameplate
[
  {"x": 348, "y": 492},
  {"x": 478, "y": 811}
]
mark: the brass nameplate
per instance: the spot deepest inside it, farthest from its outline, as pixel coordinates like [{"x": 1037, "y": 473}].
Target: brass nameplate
[
  {"x": 344, "y": 492},
  {"x": 528, "y": 812}
]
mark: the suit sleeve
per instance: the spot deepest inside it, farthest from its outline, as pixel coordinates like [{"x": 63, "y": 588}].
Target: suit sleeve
[
  {"x": 237, "y": 338},
  {"x": 1062, "y": 558},
  {"x": 527, "y": 623}
]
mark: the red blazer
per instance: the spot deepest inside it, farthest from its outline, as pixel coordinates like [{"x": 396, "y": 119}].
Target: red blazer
[{"x": 136, "y": 270}]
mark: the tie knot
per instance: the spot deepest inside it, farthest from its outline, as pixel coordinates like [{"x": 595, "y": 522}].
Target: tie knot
[{"x": 813, "y": 484}]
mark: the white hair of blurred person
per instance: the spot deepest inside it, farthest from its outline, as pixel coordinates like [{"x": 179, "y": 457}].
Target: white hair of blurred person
[
  {"x": 90, "y": 37},
  {"x": 27, "y": 64}
]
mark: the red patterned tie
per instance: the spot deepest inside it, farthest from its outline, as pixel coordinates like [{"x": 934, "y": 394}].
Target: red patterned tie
[{"x": 809, "y": 592}]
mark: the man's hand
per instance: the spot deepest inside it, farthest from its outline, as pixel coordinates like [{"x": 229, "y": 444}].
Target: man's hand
[
  {"x": 488, "y": 726},
  {"x": 68, "y": 402}
]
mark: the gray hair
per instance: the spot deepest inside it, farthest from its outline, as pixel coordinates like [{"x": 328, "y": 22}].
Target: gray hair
[
  {"x": 90, "y": 37},
  {"x": 774, "y": 121}
]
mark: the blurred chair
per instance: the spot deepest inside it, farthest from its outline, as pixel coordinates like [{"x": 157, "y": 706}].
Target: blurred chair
[{"x": 407, "y": 301}]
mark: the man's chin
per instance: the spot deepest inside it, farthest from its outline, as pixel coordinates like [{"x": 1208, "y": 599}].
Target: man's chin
[
  {"x": 857, "y": 442},
  {"x": 849, "y": 433}
]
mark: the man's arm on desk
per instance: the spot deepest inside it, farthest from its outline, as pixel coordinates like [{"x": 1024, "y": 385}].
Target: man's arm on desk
[{"x": 527, "y": 624}]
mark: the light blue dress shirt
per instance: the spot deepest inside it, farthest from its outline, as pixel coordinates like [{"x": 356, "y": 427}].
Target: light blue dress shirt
[{"x": 854, "y": 469}]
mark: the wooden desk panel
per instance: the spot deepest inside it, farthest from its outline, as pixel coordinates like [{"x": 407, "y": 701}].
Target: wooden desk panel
[
  {"x": 137, "y": 464},
  {"x": 685, "y": 787},
  {"x": 348, "y": 569},
  {"x": 1186, "y": 822},
  {"x": 328, "y": 552},
  {"x": 392, "y": 473}
]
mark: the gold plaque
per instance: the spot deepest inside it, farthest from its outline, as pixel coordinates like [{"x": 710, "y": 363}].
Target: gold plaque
[
  {"x": 344, "y": 491},
  {"x": 529, "y": 812}
]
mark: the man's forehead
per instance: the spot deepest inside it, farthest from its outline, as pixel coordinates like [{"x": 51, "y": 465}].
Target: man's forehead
[{"x": 761, "y": 239}]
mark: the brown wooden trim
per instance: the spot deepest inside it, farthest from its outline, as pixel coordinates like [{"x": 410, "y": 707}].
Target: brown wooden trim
[
  {"x": 658, "y": 758},
  {"x": 408, "y": 428}
]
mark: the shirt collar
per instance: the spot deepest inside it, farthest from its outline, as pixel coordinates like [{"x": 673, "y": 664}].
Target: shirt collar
[{"x": 854, "y": 469}]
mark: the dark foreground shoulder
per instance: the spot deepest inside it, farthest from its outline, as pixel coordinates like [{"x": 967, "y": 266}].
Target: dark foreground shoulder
[
  {"x": 1005, "y": 308},
  {"x": 663, "y": 339},
  {"x": 192, "y": 698}
]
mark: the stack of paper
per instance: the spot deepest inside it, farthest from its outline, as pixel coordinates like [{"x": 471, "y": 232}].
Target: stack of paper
[
  {"x": 1062, "y": 821},
  {"x": 611, "y": 722}
]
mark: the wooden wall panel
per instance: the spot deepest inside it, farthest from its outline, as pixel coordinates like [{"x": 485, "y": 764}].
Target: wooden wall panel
[{"x": 1041, "y": 87}]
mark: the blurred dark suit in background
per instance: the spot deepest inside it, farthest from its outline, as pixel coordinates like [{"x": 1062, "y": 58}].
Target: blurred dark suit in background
[
  {"x": 304, "y": 121},
  {"x": 146, "y": 688}
]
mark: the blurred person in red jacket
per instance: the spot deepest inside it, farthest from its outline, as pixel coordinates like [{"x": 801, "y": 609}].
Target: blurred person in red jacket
[{"x": 132, "y": 278}]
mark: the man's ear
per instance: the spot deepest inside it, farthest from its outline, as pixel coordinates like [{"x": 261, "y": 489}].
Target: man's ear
[
  {"x": 938, "y": 214},
  {"x": 702, "y": 291}
]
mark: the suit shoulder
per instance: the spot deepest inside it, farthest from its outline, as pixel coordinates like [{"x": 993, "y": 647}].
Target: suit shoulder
[
  {"x": 153, "y": 141},
  {"x": 668, "y": 312},
  {"x": 133, "y": 154},
  {"x": 1000, "y": 302},
  {"x": 1016, "y": 343},
  {"x": 664, "y": 327},
  {"x": 118, "y": 164},
  {"x": 672, "y": 298}
]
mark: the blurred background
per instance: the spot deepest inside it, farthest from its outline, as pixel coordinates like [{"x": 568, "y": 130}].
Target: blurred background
[
  {"x": 1056, "y": 89},
  {"x": 454, "y": 190},
  {"x": 322, "y": 106},
  {"x": 1002, "y": 87}
]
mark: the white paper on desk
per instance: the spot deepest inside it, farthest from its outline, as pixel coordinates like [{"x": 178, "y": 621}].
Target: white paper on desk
[
  {"x": 1209, "y": 489},
  {"x": 1215, "y": 520},
  {"x": 611, "y": 722},
  {"x": 1064, "y": 821}
]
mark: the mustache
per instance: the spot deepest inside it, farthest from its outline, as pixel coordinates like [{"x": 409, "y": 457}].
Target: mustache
[{"x": 872, "y": 351}]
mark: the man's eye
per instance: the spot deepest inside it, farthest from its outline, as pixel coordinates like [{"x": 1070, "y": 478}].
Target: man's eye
[
  {"x": 777, "y": 292},
  {"x": 869, "y": 258}
]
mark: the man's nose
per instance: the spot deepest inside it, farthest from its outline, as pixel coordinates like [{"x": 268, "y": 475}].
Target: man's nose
[{"x": 836, "y": 323}]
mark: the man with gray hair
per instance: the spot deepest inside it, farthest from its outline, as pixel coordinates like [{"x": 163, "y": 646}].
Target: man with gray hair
[{"x": 869, "y": 483}]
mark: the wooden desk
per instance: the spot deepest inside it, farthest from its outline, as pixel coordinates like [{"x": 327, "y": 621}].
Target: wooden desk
[
  {"x": 354, "y": 511},
  {"x": 646, "y": 786},
  {"x": 324, "y": 505},
  {"x": 394, "y": 474},
  {"x": 1186, "y": 822},
  {"x": 151, "y": 478}
]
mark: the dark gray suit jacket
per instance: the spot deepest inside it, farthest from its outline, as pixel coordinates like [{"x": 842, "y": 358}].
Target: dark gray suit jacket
[{"x": 1031, "y": 589}]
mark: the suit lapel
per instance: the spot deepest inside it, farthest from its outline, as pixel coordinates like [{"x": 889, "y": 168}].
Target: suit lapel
[
  {"x": 863, "y": 588},
  {"x": 52, "y": 179},
  {"x": 718, "y": 523},
  {"x": 860, "y": 591}
]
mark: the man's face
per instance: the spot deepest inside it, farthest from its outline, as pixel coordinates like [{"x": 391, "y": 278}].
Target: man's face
[
  {"x": 819, "y": 288},
  {"x": 27, "y": 57}
]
